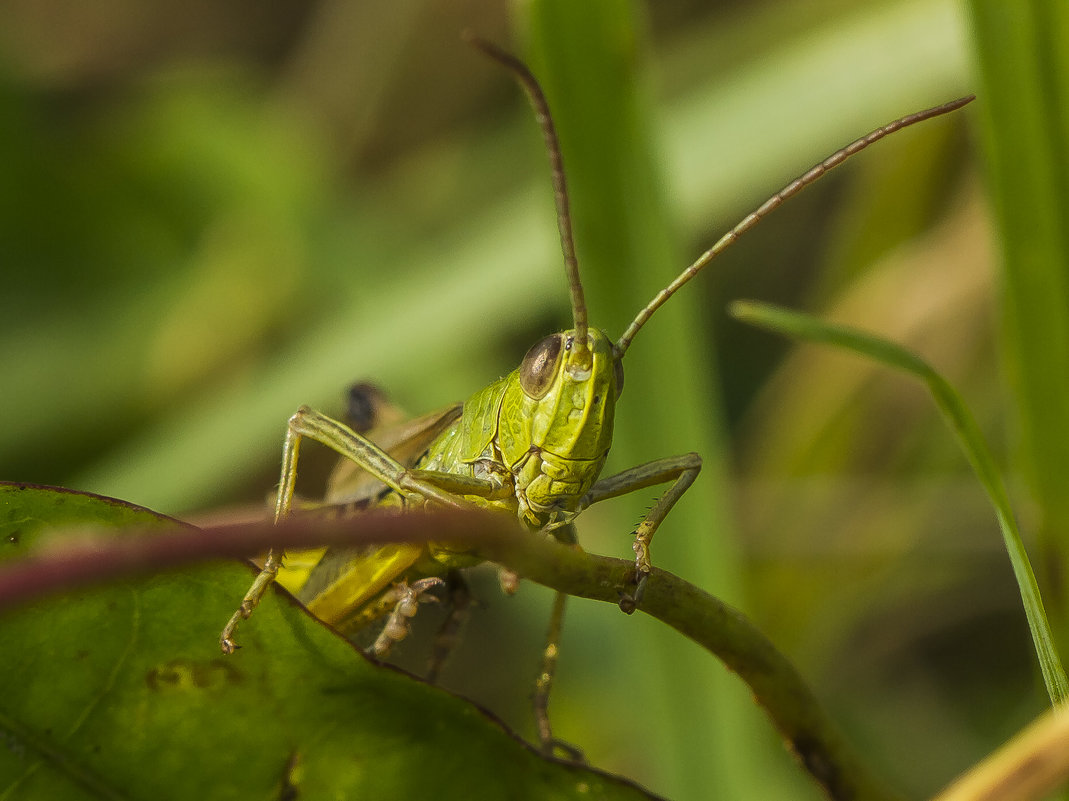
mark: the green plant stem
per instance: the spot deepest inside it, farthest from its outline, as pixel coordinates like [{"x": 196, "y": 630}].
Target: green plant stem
[{"x": 719, "y": 628}]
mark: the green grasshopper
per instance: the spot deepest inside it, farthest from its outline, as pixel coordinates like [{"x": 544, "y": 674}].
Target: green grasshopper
[{"x": 532, "y": 443}]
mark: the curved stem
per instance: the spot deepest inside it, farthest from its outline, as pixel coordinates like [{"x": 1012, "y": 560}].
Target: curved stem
[{"x": 719, "y": 628}]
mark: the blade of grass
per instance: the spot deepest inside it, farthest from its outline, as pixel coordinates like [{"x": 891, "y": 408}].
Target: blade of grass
[
  {"x": 590, "y": 58},
  {"x": 1023, "y": 77},
  {"x": 950, "y": 403}
]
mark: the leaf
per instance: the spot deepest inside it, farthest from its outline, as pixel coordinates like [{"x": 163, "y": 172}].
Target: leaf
[{"x": 120, "y": 692}]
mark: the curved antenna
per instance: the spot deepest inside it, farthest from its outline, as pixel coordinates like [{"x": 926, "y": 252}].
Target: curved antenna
[
  {"x": 556, "y": 163},
  {"x": 791, "y": 189}
]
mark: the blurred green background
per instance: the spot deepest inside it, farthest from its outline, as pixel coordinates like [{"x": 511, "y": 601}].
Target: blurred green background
[{"x": 211, "y": 214}]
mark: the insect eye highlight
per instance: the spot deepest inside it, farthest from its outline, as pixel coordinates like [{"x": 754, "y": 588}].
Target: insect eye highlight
[{"x": 539, "y": 366}]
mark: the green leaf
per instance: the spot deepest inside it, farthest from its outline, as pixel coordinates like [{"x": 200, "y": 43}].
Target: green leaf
[
  {"x": 950, "y": 403},
  {"x": 120, "y": 691}
]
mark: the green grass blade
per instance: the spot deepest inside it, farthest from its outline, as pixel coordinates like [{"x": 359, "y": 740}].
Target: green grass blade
[
  {"x": 591, "y": 59},
  {"x": 802, "y": 326},
  {"x": 1023, "y": 83}
]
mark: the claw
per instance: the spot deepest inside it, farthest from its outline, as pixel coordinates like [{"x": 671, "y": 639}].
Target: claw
[
  {"x": 227, "y": 644},
  {"x": 629, "y": 602},
  {"x": 408, "y": 597}
]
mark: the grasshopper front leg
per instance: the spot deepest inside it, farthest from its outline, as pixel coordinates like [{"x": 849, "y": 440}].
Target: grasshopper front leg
[
  {"x": 681, "y": 471},
  {"x": 443, "y": 488}
]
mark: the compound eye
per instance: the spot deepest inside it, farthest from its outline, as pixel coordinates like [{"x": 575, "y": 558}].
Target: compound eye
[
  {"x": 618, "y": 375},
  {"x": 539, "y": 366}
]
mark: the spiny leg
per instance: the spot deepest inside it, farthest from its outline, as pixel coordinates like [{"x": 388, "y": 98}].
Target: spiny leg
[
  {"x": 681, "y": 471},
  {"x": 439, "y": 487}
]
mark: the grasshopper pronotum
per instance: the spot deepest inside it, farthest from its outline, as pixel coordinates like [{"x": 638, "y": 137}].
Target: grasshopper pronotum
[{"x": 532, "y": 443}]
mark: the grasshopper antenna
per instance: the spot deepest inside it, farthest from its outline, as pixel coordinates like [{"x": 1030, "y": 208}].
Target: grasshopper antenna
[
  {"x": 791, "y": 189},
  {"x": 556, "y": 163}
]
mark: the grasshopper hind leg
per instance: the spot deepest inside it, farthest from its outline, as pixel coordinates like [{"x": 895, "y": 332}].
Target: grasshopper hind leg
[
  {"x": 306, "y": 422},
  {"x": 440, "y": 488},
  {"x": 273, "y": 562}
]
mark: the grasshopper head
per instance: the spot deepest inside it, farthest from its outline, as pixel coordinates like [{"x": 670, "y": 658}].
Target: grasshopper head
[
  {"x": 569, "y": 394},
  {"x": 556, "y": 418}
]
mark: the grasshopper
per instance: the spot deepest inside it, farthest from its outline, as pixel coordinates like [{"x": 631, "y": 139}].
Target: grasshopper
[{"x": 532, "y": 443}]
